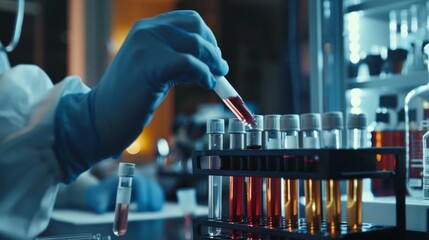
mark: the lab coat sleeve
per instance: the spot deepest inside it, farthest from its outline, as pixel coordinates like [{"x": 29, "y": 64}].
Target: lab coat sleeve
[{"x": 28, "y": 168}]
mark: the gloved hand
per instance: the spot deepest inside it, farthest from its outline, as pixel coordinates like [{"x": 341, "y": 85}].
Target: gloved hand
[
  {"x": 159, "y": 52},
  {"x": 146, "y": 193}
]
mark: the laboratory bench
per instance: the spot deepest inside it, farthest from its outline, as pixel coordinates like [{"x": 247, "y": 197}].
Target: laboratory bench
[
  {"x": 169, "y": 223},
  {"x": 158, "y": 229}
]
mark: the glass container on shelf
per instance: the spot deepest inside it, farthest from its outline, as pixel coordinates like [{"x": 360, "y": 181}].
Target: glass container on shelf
[{"x": 416, "y": 125}]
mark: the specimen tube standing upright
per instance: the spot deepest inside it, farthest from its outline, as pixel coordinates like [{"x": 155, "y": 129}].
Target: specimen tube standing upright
[
  {"x": 310, "y": 127},
  {"x": 237, "y": 132},
  {"x": 332, "y": 125},
  {"x": 215, "y": 131},
  {"x": 289, "y": 127},
  {"x": 271, "y": 140},
  {"x": 356, "y": 138},
  {"x": 254, "y": 184}
]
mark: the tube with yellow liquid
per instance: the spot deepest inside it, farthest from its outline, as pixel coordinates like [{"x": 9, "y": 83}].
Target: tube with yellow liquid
[
  {"x": 356, "y": 138},
  {"x": 310, "y": 127},
  {"x": 332, "y": 125}
]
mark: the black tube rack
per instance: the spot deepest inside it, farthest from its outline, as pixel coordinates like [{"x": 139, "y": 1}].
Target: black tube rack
[{"x": 305, "y": 164}]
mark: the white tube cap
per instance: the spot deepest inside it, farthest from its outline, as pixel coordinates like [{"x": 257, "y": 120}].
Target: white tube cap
[
  {"x": 235, "y": 126},
  {"x": 272, "y": 122},
  {"x": 126, "y": 169},
  {"x": 216, "y": 126},
  {"x": 310, "y": 121},
  {"x": 289, "y": 122}
]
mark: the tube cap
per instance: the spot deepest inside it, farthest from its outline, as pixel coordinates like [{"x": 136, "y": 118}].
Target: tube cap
[
  {"x": 235, "y": 126},
  {"x": 310, "y": 121},
  {"x": 332, "y": 120},
  {"x": 357, "y": 121},
  {"x": 272, "y": 122},
  {"x": 215, "y": 126},
  {"x": 126, "y": 169},
  {"x": 258, "y": 123},
  {"x": 289, "y": 122}
]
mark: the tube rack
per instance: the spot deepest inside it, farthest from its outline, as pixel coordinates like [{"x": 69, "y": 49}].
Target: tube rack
[{"x": 340, "y": 164}]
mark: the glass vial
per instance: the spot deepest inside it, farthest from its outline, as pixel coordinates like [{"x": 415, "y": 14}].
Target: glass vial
[
  {"x": 123, "y": 198},
  {"x": 237, "y": 132},
  {"x": 332, "y": 124},
  {"x": 310, "y": 128},
  {"x": 234, "y": 102},
  {"x": 356, "y": 138},
  {"x": 425, "y": 165},
  {"x": 289, "y": 127},
  {"x": 254, "y": 184},
  {"x": 271, "y": 140},
  {"x": 416, "y": 115},
  {"x": 215, "y": 131}
]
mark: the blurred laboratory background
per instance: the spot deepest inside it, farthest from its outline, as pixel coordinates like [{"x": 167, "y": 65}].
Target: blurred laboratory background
[{"x": 285, "y": 57}]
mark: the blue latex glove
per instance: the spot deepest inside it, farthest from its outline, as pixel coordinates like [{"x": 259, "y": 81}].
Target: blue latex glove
[
  {"x": 159, "y": 52},
  {"x": 147, "y": 194}
]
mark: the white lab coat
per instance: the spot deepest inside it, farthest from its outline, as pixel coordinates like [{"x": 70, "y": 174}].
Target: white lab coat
[{"x": 29, "y": 171}]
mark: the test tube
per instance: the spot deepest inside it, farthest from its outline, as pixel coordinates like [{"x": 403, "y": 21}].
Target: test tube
[
  {"x": 271, "y": 140},
  {"x": 310, "y": 127},
  {"x": 237, "y": 132},
  {"x": 234, "y": 102},
  {"x": 289, "y": 127},
  {"x": 123, "y": 198},
  {"x": 332, "y": 124},
  {"x": 215, "y": 131},
  {"x": 356, "y": 138},
  {"x": 254, "y": 184}
]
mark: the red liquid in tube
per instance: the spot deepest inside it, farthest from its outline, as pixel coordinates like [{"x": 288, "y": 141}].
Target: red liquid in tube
[
  {"x": 121, "y": 219},
  {"x": 239, "y": 109},
  {"x": 254, "y": 201}
]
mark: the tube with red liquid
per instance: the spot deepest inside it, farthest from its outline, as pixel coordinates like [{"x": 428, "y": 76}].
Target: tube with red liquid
[
  {"x": 123, "y": 198},
  {"x": 254, "y": 184},
  {"x": 236, "y": 183},
  {"x": 234, "y": 102}
]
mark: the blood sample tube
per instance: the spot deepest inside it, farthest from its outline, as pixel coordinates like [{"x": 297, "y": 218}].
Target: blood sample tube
[
  {"x": 123, "y": 198},
  {"x": 310, "y": 127},
  {"x": 236, "y": 131},
  {"x": 234, "y": 102},
  {"x": 332, "y": 125},
  {"x": 254, "y": 184},
  {"x": 356, "y": 138},
  {"x": 271, "y": 140},
  {"x": 289, "y": 127},
  {"x": 215, "y": 131}
]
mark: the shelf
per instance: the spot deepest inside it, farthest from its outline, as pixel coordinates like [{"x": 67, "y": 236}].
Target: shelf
[
  {"x": 368, "y": 231},
  {"x": 380, "y": 6},
  {"x": 296, "y": 163},
  {"x": 395, "y": 82}
]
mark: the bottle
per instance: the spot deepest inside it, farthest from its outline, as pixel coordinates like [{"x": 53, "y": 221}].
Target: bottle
[
  {"x": 382, "y": 136},
  {"x": 123, "y": 198},
  {"x": 332, "y": 125},
  {"x": 289, "y": 127},
  {"x": 310, "y": 128},
  {"x": 425, "y": 145},
  {"x": 416, "y": 112},
  {"x": 356, "y": 138},
  {"x": 271, "y": 140},
  {"x": 254, "y": 184},
  {"x": 215, "y": 131},
  {"x": 234, "y": 102},
  {"x": 399, "y": 131},
  {"x": 236, "y": 131}
]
